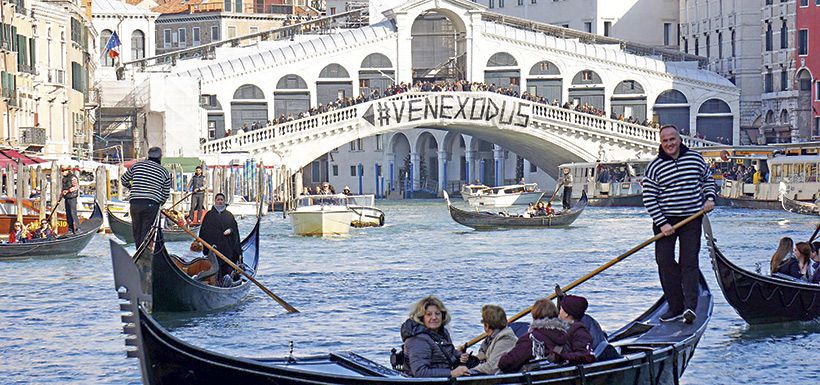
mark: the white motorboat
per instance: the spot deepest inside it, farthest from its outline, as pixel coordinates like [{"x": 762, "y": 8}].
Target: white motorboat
[
  {"x": 506, "y": 196},
  {"x": 321, "y": 215},
  {"x": 365, "y": 213},
  {"x": 243, "y": 208},
  {"x": 469, "y": 190}
]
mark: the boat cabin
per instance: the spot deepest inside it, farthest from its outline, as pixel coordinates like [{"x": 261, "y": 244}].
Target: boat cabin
[{"x": 606, "y": 179}]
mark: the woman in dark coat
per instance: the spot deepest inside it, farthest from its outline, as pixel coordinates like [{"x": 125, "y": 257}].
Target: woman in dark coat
[
  {"x": 220, "y": 230},
  {"x": 545, "y": 339},
  {"x": 579, "y": 342},
  {"x": 428, "y": 348}
]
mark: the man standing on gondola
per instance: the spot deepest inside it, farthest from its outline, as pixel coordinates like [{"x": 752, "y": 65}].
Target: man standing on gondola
[
  {"x": 197, "y": 188},
  {"x": 70, "y": 191},
  {"x": 566, "y": 181},
  {"x": 150, "y": 185},
  {"x": 677, "y": 184}
]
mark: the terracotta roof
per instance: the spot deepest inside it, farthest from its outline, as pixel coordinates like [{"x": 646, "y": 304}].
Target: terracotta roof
[
  {"x": 304, "y": 11},
  {"x": 185, "y": 6}
]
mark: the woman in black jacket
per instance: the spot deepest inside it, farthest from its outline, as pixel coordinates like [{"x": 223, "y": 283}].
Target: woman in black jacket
[{"x": 428, "y": 347}]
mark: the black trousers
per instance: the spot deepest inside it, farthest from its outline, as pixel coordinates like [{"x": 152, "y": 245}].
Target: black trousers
[
  {"x": 567, "y": 198},
  {"x": 143, "y": 214},
  {"x": 197, "y": 202},
  {"x": 680, "y": 279},
  {"x": 71, "y": 214}
]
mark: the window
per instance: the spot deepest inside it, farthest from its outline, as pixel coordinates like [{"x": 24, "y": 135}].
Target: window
[
  {"x": 166, "y": 38},
  {"x": 379, "y": 142},
  {"x": 183, "y": 38},
  {"x": 500, "y": 3},
  {"x": 685, "y": 45},
  {"x": 588, "y": 26},
  {"x": 520, "y": 2},
  {"x": 784, "y": 80},
  {"x": 105, "y": 60},
  {"x": 231, "y": 32},
  {"x": 196, "y": 38},
  {"x": 237, "y": 8},
  {"x": 697, "y": 49},
  {"x": 817, "y": 91},
  {"x": 137, "y": 45},
  {"x": 733, "y": 43},
  {"x": 804, "y": 3},
  {"x": 803, "y": 42},
  {"x": 720, "y": 45},
  {"x": 586, "y": 75},
  {"x": 491, "y": 4},
  {"x": 78, "y": 77},
  {"x": 214, "y": 33},
  {"x": 316, "y": 172},
  {"x": 768, "y": 36},
  {"x": 227, "y": 6},
  {"x": 332, "y": 10},
  {"x": 708, "y": 47},
  {"x": 254, "y": 30},
  {"x": 335, "y": 170},
  {"x": 536, "y": 1},
  {"x": 352, "y": 170},
  {"x": 607, "y": 27},
  {"x": 784, "y": 35},
  {"x": 767, "y": 82},
  {"x": 667, "y": 33},
  {"x": 565, "y": 25}
]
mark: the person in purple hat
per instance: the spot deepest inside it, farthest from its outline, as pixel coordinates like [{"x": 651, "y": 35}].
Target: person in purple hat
[{"x": 578, "y": 349}]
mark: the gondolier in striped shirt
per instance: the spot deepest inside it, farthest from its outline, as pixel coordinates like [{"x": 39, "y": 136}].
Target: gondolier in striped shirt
[
  {"x": 150, "y": 185},
  {"x": 678, "y": 184}
]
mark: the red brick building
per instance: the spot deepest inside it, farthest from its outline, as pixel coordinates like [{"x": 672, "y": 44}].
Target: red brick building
[{"x": 808, "y": 65}]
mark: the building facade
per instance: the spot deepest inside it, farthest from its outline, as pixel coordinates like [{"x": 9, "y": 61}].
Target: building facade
[
  {"x": 18, "y": 53},
  {"x": 807, "y": 77},
  {"x": 780, "y": 100}
]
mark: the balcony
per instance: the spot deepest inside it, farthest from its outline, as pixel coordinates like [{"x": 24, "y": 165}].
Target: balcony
[
  {"x": 32, "y": 138},
  {"x": 56, "y": 76}
]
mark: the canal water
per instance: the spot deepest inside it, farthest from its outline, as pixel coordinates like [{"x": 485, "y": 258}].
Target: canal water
[{"x": 59, "y": 322}]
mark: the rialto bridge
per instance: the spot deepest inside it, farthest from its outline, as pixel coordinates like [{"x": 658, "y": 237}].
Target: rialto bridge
[{"x": 449, "y": 40}]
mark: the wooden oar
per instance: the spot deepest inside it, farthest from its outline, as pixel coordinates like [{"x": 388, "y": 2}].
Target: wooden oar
[
  {"x": 591, "y": 274},
  {"x": 813, "y": 236},
  {"x": 554, "y": 194},
  {"x": 276, "y": 298},
  {"x": 56, "y": 204},
  {"x": 181, "y": 200}
]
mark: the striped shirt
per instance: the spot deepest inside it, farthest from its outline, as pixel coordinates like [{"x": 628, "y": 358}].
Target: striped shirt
[
  {"x": 677, "y": 187},
  {"x": 147, "y": 180}
]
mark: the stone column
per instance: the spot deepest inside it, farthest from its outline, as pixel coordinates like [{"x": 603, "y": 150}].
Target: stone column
[
  {"x": 442, "y": 171},
  {"x": 415, "y": 160},
  {"x": 526, "y": 170},
  {"x": 469, "y": 155}
]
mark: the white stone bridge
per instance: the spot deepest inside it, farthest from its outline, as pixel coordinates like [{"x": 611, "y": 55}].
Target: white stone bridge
[{"x": 545, "y": 135}]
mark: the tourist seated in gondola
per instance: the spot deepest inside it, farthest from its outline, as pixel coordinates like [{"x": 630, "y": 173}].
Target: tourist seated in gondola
[
  {"x": 541, "y": 210},
  {"x": 814, "y": 266},
  {"x": 500, "y": 339},
  {"x": 549, "y": 210},
  {"x": 531, "y": 211},
  {"x": 209, "y": 274},
  {"x": 545, "y": 340},
  {"x": 579, "y": 341},
  {"x": 428, "y": 348},
  {"x": 19, "y": 234},
  {"x": 783, "y": 254},
  {"x": 44, "y": 232},
  {"x": 798, "y": 267}
]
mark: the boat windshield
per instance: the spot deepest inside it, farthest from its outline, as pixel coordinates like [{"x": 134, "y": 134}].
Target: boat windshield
[
  {"x": 361, "y": 200},
  {"x": 322, "y": 200}
]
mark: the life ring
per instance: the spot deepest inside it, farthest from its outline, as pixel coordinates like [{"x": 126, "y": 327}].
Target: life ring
[
  {"x": 381, "y": 219},
  {"x": 724, "y": 156}
]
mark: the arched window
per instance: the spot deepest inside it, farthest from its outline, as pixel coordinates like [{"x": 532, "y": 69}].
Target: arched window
[
  {"x": 247, "y": 107},
  {"x": 291, "y": 82},
  {"x": 586, "y": 77},
  {"x": 502, "y": 59},
  {"x": 715, "y": 121},
  {"x": 330, "y": 88},
  {"x": 376, "y": 60},
  {"x": 291, "y": 96},
  {"x": 672, "y": 107},
  {"x": 375, "y": 75},
  {"x": 770, "y": 117},
  {"x": 502, "y": 77},
  {"x": 248, "y": 91},
  {"x": 105, "y": 60},
  {"x": 587, "y": 88},
  {"x": 628, "y": 100},
  {"x": 543, "y": 68},
  {"x": 137, "y": 45},
  {"x": 545, "y": 81},
  {"x": 628, "y": 87},
  {"x": 334, "y": 71},
  {"x": 784, "y": 116}
]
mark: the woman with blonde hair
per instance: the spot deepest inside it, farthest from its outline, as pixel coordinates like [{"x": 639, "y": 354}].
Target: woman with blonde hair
[
  {"x": 782, "y": 254},
  {"x": 428, "y": 348}
]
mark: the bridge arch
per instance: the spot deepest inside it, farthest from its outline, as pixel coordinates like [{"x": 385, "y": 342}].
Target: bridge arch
[
  {"x": 332, "y": 84},
  {"x": 376, "y": 73},
  {"x": 502, "y": 70},
  {"x": 291, "y": 96},
  {"x": 672, "y": 107},
  {"x": 399, "y": 151},
  {"x": 715, "y": 120},
  {"x": 629, "y": 100},
  {"x": 588, "y": 87},
  {"x": 545, "y": 81},
  {"x": 248, "y": 106}
]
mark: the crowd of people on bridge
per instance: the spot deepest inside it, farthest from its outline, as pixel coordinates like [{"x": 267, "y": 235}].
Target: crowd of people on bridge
[{"x": 436, "y": 86}]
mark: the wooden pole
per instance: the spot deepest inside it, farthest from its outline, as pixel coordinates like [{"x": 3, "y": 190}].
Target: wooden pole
[
  {"x": 592, "y": 273},
  {"x": 276, "y": 298},
  {"x": 19, "y": 190}
]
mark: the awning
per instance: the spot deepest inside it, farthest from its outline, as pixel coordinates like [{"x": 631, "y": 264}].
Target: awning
[
  {"x": 188, "y": 163},
  {"x": 8, "y": 156}
]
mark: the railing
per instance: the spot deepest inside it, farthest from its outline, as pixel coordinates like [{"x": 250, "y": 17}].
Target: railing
[
  {"x": 32, "y": 136},
  {"x": 568, "y": 117},
  {"x": 591, "y": 38},
  {"x": 321, "y": 25}
]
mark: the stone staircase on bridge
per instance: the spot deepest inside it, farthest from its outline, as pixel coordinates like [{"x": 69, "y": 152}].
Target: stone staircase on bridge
[{"x": 482, "y": 112}]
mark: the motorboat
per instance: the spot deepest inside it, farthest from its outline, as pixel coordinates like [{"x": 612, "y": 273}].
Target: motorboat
[
  {"x": 241, "y": 207},
  {"x": 365, "y": 212},
  {"x": 506, "y": 196},
  {"x": 469, "y": 190},
  {"x": 321, "y": 215}
]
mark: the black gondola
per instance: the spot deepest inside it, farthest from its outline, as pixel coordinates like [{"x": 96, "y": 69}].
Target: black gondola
[
  {"x": 762, "y": 299},
  {"x": 633, "y": 200},
  {"x": 488, "y": 221},
  {"x": 747, "y": 203},
  {"x": 64, "y": 245},
  {"x": 799, "y": 207},
  {"x": 123, "y": 230},
  {"x": 649, "y": 352},
  {"x": 173, "y": 290}
]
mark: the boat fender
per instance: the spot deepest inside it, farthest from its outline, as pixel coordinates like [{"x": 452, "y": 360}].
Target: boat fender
[{"x": 381, "y": 219}]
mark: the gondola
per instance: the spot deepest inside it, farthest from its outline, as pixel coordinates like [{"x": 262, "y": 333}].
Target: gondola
[
  {"x": 489, "y": 221},
  {"x": 63, "y": 245},
  {"x": 173, "y": 290},
  {"x": 762, "y": 299},
  {"x": 747, "y": 203},
  {"x": 123, "y": 230},
  {"x": 798, "y": 207},
  {"x": 632, "y": 200},
  {"x": 647, "y": 352}
]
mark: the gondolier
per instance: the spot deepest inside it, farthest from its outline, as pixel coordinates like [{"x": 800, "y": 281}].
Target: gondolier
[
  {"x": 566, "y": 181},
  {"x": 197, "y": 188},
  {"x": 678, "y": 183},
  {"x": 70, "y": 192},
  {"x": 150, "y": 185},
  {"x": 219, "y": 229}
]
